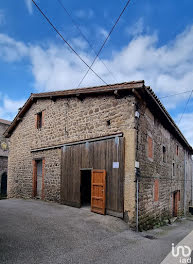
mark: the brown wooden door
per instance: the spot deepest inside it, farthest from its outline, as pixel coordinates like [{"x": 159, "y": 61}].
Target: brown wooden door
[{"x": 98, "y": 191}]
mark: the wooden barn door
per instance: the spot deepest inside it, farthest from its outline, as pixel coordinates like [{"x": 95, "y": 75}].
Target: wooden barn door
[{"x": 98, "y": 191}]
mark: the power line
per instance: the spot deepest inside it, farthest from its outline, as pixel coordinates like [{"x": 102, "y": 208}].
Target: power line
[
  {"x": 175, "y": 94},
  {"x": 90, "y": 68},
  {"x": 84, "y": 37},
  {"x": 185, "y": 107},
  {"x": 66, "y": 42}
]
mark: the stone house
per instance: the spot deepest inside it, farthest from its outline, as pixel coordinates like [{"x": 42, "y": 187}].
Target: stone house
[
  {"x": 4, "y": 124},
  {"x": 114, "y": 148}
]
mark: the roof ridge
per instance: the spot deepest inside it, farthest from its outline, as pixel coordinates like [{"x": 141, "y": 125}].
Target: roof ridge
[{"x": 90, "y": 87}]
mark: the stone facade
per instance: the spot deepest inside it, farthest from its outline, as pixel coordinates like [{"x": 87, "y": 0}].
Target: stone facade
[
  {"x": 4, "y": 145},
  {"x": 71, "y": 119},
  {"x": 67, "y": 120},
  {"x": 167, "y": 150}
]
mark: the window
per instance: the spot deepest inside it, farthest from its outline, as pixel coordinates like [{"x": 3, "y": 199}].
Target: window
[
  {"x": 156, "y": 190},
  {"x": 150, "y": 147},
  {"x": 38, "y": 178},
  {"x": 173, "y": 169},
  {"x": 164, "y": 154},
  {"x": 39, "y": 120},
  {"x": 177, "y": 150}
]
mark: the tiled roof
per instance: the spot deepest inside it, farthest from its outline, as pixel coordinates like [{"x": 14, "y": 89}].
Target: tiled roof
[{"x": 145, "y": 92}]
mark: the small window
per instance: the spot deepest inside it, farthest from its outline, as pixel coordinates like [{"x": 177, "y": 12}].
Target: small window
[
  {"x": 164, "y": 154},
  {"x": 173, "y": 169},
  {"x": 150, "y": 147},
  {"x": 156, "y": 190},
  {"x": 177, "y": 150},
  {"x": 39, "y": 120}
]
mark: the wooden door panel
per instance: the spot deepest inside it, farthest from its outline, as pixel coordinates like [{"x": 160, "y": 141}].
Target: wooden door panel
[
  {"x": 175, "y": 204},
  {"x": 98, "y": 191}
]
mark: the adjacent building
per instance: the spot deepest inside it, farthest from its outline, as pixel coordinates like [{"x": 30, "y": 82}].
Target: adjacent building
[
  {"x": 114, "y": 148},
  {"x": 4, "y": 124}
]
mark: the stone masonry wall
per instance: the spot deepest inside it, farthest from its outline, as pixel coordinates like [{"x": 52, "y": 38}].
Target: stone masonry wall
[
  {"x": 65, "y": 120},
  {"x": 3, "y": 153},
  {"x": 152, "y": 212},
  {"x": 3, "y": 127},
  {"x": 3, "y": 164},
  {"x": 3, "y": 167}
]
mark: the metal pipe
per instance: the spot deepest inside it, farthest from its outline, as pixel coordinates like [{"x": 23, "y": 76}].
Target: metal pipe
[
  {"x": 185, "y": 183},
  {"x": 192, "y": 180},
  {"x": 137, "y": 206}
]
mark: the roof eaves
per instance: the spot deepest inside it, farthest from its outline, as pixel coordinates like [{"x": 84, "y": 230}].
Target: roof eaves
[
  {"x": 169, "y": 118},
  {"x": 18, "y": 117},
  {"x": 73, "y": 92},
  {"x": 91, "y": 90}
]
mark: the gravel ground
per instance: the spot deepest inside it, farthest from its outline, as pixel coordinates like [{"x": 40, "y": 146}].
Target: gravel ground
[{"x": 33, "y": 231}]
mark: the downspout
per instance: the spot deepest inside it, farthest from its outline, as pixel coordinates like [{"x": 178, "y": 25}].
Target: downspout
[
  {"x": 192, "y": 180},
  {"x": 137, "y": 206},
  {"x": 137, "y": 169},
  {"x": 185, "y": 184}
]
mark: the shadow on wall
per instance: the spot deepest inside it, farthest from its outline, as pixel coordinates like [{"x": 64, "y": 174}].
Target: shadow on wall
[{"x": 3, "y": 190}]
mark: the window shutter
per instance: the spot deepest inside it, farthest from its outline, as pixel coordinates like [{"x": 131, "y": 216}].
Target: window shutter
[
  {"x": 150, "y": 147},
  {"x": 156, "y": 190}
]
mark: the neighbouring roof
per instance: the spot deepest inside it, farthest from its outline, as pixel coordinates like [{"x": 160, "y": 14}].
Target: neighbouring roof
[
  {"x": 136, "y": 87},
  {"x": 3, "y": 121}
]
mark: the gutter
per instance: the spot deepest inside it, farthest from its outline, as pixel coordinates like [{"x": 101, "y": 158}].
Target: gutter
[{"x": 169, "y": 118}]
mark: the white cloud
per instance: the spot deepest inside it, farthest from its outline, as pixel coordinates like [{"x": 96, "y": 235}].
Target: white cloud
[
  {"x": 12, "y": 50},
  {"x": 9, "y": 108},
  {"x": 103, "y": 32},
  {"x": 79, "y": 43},
  {"x": 186, "y": 126},
  {"x": 29, "y": 5},
  {"x": 88, "y": 13},
  {"x": 137, "y": 28},
  {"x": 167, "y": 68}
]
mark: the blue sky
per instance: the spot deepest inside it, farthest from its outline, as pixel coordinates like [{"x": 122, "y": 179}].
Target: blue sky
[{"x": 152, "y": 41}]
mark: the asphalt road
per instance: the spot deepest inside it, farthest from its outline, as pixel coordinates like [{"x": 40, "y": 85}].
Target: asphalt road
[{"x": 40, "y": 232}]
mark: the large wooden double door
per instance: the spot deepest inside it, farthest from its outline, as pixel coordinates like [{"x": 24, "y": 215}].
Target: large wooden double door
[{"x": 105, "y": 160}]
